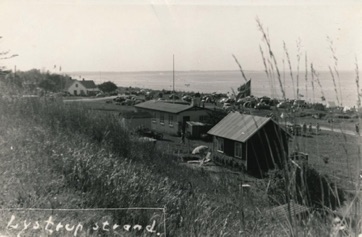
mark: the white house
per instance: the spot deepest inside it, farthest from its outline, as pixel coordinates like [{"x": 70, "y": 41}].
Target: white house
[{"x": 84, "y": 87}]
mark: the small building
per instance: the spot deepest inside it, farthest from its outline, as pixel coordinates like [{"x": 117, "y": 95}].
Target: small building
[
  {"x": 195, "y": 129},
  {"x": 84, "y": 87},
  {"x": 133, "y": 119},
  {"x": 171, "y": 118},
  {"x": 254, "y": 143}
]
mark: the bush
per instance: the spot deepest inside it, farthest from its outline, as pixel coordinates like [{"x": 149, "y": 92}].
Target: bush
[
  {"x": 316, "y": 190},
  {"x": 308, "y": 187}
]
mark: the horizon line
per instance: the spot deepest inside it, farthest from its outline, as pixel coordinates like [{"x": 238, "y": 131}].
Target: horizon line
[{"x": 213, "y": 70}]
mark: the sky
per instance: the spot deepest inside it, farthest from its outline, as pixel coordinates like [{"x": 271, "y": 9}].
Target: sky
[{"x": 122, "y": 35}]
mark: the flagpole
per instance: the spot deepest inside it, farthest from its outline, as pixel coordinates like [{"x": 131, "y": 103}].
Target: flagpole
[{"x": 173, "y": 78}]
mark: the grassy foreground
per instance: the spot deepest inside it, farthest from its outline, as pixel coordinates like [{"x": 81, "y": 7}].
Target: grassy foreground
[{"x": 62, "y": 156}]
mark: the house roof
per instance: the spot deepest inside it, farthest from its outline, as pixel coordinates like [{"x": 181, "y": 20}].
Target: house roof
[
  {"x": 164, "y": 106},
  {"x": 238, "y": 127},
  {"x": 88, "y": 84},
  {"x": 68, "y": 83},
  {"x": 135, "y": 115}
]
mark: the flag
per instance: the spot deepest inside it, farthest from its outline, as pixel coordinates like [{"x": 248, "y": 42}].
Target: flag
[{"x": 245, "y": 90}]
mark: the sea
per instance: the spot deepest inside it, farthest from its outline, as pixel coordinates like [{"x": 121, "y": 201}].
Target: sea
[{"x": 342, "y": 90}]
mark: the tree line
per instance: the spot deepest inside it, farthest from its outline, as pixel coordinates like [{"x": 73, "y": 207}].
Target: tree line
[{"x": 34, "y": 80}]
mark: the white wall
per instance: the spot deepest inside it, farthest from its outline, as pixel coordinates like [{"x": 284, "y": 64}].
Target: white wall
[
  {"x": 165, "y": 127},
  {"x": 177, "y": 118},
  {"x": 80, "y": 87}
]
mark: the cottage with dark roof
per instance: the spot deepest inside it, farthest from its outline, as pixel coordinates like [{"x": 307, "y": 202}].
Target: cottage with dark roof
[
  {"x": 255, "y": 143},
  {"x": 171, "y": 118},
  {"x": 84, "y": 87}
]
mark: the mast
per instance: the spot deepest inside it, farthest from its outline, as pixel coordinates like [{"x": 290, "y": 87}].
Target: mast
[{"x": 173, "y": 78}]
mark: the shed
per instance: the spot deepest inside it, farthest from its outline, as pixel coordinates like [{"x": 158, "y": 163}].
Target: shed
[
  {"x": 255, "y": 143},
  {"x": 195, "y": 129}
]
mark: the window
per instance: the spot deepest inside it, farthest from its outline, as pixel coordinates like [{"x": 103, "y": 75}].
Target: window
[
  {"x": 170, "y": 120},
  {"x": 76, "y": 85},
  {"x": 220, "y": 144},
  {"x": 203, "y": 118},
  {"x": 238, "y": 149},
  {"x": 162, "y": 118}
]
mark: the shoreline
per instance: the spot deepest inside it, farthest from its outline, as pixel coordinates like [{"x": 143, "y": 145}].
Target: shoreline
[{"x": 226, "y": 81}]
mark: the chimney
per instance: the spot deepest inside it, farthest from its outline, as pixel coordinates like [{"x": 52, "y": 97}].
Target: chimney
[{"x": 196, "y": 100}]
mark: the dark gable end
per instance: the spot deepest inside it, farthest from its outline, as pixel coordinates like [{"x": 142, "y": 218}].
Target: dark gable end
[{"x": 267, "y": 148}]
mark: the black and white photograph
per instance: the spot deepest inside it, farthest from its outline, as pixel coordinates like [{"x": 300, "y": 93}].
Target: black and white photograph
[{"x": 180, "y": 118}]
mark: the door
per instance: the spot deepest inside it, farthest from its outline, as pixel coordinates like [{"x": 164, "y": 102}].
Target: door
[{"x": 184, "y": 120}]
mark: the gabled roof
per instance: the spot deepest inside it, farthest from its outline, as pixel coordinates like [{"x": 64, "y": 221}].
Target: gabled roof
[
  {"x": 165, "y": 107},
  {"x": 68, "y": 83},
  {"x": 88, "y": 84},
  {"x": 238, "y": 127}
]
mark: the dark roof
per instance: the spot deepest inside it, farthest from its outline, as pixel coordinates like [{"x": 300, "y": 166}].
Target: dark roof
[
  {"x": 164, "y": 106},
  {"x": 135, "y": 115},
  {"x": 68, "y": 83},
  {"x": 238, "y": 127},
  {"x": 176, "y": 102},
  {"x": 89, "y": 84}
]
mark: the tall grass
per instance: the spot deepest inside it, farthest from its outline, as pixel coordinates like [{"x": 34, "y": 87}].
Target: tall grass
[
  {"x": 307, "y": 185},
  {"x": 69, "y": 157}
]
